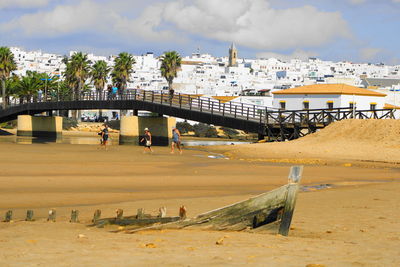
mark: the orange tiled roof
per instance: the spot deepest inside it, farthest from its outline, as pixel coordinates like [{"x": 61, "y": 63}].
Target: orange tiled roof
[
  {"x": 330, "y": 89},
  {"x": 390, "y": 106},
  {"x": 224, "y": 99}
]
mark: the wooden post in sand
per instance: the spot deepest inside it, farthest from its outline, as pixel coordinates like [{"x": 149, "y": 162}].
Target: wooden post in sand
[
  {"x": 96, "y": 216},
  {"x": 8, "y": 217},
  {"x": 140, "y": 213},
  {"x": 162, "y": 212},
  {"x": 294, "y": 179},
  {"x": 182, "y": 212},
  {"x": 120, "y": 214},
  {"x": 52, "y": 215},
  {"x": 29, "y": 216},
  {"x": 74, "y": 216}
]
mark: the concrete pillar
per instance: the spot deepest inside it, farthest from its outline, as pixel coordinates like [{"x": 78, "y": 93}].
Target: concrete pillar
[
  {"x": 132, "y": 129},
  {"x": 129, "y": 130},
  {"x": 39, "y": 126}
]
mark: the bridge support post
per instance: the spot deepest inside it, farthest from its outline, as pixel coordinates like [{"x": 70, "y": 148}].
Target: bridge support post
[
  {"x": 40, "y": 126},
  {"x": 132, "y": 129}
]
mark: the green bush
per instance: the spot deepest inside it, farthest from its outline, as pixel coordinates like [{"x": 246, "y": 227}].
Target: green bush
[
  {"x": 184, "y": 127},
  {"x": 9, "y": 124},
  {"x": 231, "y": 133},
  {"x": 68, "y": 123},
  {"x": 205, "y": 130}
]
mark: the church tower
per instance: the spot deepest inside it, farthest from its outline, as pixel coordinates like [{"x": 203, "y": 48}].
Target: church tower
[{"x": 233, "y": 55}]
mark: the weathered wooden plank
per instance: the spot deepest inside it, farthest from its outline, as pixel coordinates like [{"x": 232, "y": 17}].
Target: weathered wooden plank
[
  {"x": 236, "y": 216},
  {"x": 133, "y": 221},
  {"x": 294, "y": 179}
]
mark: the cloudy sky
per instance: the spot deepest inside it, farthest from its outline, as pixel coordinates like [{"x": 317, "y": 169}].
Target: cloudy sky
[{"x": 356, "y": 30}]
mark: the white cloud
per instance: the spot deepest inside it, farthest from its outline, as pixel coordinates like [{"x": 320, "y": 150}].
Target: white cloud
[
  {"x": 357, "y": 2},
  {"x": 91, "y": 16},
  {"x": 23, "y": 3},
  {"x": 297, "y": 54},
  {"x": 255, "y": 24},
  {"x": 249, "y": 23}
]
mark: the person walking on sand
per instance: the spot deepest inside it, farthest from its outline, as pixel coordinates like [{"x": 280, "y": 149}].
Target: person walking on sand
[
  {"x": 176, "y": 140},
  {"x": 147, "y": 140},
  {"x": 104, "y": 136}
]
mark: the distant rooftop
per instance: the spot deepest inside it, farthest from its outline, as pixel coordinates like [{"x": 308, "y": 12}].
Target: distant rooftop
[{"x": 330, "y": 89}]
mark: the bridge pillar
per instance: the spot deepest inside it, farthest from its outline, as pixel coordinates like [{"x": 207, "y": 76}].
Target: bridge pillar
[
  {"x": 39, "y": 126},
  {"x": 132, "y": 129}
]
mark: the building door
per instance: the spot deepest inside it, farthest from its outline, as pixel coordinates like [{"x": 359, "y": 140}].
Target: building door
[
  {"x": 372, "y": 106},
  {"x": 282, "y": 105},
  {"x": 306, "y": 105},
  {"x": 329, "y": 104}
]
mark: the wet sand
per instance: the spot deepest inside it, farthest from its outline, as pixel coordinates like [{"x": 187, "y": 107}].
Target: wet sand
[{"x": 353, "y": 224}]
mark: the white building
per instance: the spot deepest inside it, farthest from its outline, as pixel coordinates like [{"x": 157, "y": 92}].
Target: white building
[{"x": 321, "y": 96}]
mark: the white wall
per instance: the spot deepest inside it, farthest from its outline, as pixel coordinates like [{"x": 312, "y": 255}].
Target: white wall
[
  {"x": 363, "y": 102},
  {"x": 295, "y": 102}
]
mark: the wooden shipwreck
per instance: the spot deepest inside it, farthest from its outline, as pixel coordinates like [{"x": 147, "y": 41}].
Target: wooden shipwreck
[{"x": 271, "y": 212}]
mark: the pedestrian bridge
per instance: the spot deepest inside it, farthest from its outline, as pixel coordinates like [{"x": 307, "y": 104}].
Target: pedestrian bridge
[{"x": 275, "y": 124}]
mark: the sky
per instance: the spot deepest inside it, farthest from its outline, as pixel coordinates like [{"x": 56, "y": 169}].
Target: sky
[{"x": 353, "y": 30}]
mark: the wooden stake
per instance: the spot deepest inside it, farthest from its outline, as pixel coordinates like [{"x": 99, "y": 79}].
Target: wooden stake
[
  {"x": 120, "y": 214},
  {"x": 52, "y": 215},
  {"x": 162, "y": 212},
  {"x": 96, "y": 216},
  {"x": 182, "y": 212},
  {"x": 8, "y": 217},
  {"x": 140, "y": 213},
  {"x": 294, "y": 179},
  {"x": 74, "y": 216},
  {"x": 29, "y": 216}
]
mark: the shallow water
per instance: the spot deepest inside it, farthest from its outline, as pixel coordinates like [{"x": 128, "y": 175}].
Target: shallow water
[{"x": 94, "y": 140}]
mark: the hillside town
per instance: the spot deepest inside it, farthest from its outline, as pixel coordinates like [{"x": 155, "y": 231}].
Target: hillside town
[{"x": 249, "y": 80}]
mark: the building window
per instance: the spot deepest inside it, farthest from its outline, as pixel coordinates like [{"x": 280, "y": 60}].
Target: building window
[
  {"x": 306, "y": 105},
  {"x": 352, "y": 105},
  {"x": 282, "y": 105},
  {"x": 372, "y": 106},
  {"x": 329, "y": 104}
]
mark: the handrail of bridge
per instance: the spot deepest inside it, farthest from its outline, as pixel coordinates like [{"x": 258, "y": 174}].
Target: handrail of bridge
[{"x": 230, "y": 109}]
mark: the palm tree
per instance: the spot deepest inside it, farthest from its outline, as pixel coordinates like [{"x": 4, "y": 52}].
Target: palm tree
[
  {"x": 12, "y": 84},
  {"x": 78, "y": 70},
  {"x": 123, "y": 68},
  {"x": 49, "y": 84},
  {"x": 99, "y": 74},
  {"x": 170, "y": 64},
  {"x": 76, "y": 73},
  {"x": 7, "y": 65},
  {"x": 29, "y": 86}
]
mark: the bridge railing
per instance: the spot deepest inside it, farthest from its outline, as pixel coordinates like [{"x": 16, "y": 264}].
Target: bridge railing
[{"x": 230, "y": 109}]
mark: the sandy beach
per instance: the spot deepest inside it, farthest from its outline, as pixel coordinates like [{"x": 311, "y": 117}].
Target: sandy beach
[{"x": 353, "y": 223}]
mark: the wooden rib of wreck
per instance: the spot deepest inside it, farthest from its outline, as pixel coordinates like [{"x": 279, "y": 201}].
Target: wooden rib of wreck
[
  {"x": 271, "y": 212},
  {"x": 139, "y": 220}
]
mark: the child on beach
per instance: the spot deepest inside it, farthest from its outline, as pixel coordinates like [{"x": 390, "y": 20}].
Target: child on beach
[{"x": 104, "y": 136}]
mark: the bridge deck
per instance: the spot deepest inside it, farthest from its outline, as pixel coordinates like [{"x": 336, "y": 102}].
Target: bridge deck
[{"x": 276, "y": 124}]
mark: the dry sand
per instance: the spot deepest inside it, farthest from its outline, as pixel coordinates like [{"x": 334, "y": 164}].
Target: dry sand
[
  {"x": 360, "y": 142},
  {"x": 356, "y": 223}
]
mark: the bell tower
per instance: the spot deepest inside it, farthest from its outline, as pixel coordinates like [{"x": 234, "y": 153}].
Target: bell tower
[{"x": 233, "y": 55}]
